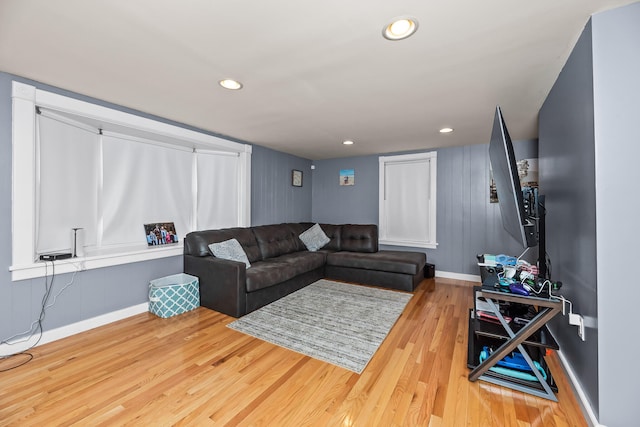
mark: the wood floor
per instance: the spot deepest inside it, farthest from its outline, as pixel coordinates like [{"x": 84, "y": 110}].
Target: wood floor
[{"x": 192, "y": 370}]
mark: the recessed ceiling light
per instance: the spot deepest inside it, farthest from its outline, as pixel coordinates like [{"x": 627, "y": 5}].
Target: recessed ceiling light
[
  {"x": 230, "y": 84},
  {"x": 347, "y": 142},
  {"x": 400, "y": 28},
  {"x": 446, "y": 130}
]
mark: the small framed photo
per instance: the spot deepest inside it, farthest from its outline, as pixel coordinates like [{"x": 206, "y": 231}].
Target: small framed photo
[
  {"x": 160, "y": 233},
  {"x": 296, "y": 178},
  {"x": 347, "y": 177}
]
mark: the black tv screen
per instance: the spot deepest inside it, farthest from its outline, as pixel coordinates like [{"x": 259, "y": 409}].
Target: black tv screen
[{"x": 507, "y": 181}]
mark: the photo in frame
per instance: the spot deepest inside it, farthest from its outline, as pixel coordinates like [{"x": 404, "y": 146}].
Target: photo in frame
[
  {"x": 160, "y": 233},
  {"x": 347, "y": 177},
  {"x": 296, "y": 178}
]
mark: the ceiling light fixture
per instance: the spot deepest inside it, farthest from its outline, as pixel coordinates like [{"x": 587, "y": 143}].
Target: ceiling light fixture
[
  {"x": 347, "y": 142},
  {"x": 230, "y": 84},
  {"x": 400, "y": 28},
  {"x": 446, "y": 130}
]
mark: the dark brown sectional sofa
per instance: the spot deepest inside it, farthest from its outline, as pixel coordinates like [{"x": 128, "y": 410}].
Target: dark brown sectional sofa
[{"x": 281, "y": 263}]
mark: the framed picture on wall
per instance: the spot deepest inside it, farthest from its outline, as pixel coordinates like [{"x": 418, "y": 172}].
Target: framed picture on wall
[
  {"x": 296, "y": 178},
  {"x": 347, "y": 177}
]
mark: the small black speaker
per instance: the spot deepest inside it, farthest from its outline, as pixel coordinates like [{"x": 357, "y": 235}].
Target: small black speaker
[{"x": 429, "y": 270}]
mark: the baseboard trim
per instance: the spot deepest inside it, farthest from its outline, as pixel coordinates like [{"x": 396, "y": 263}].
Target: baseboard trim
[
  {"x": 458, "y": 276},
  {"x": 18, "y": 346},
  {"x": 585, "y": 405}
]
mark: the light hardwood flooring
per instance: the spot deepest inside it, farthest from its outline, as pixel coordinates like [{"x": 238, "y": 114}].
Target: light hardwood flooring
[{"x": 192, "y": 370}]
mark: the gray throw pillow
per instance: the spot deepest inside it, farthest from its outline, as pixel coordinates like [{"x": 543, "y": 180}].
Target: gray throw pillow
[
  {"x": 314, "y": 238},
  {"x": 230, "y": 250}
]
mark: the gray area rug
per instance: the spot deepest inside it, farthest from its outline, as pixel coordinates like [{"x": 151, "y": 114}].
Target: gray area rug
[{"x": 334, "y": 322}]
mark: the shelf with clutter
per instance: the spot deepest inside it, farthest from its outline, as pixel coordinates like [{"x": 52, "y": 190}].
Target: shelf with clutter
[{"x": 508, "y": 338}]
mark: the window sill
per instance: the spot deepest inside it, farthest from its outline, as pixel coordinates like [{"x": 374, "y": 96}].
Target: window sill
[
  {"x": 408, "y": 243},
  {"x": 93, "y": 261}
]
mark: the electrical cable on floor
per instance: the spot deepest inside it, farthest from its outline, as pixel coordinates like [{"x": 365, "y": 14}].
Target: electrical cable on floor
[{"x": 31, "y": 331}]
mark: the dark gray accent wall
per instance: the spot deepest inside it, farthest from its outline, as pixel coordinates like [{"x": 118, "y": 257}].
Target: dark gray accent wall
[
  {"x": 467, "y": 224},
  {"x": 588, "y": 154},
  {"x": 567, "y": 179},
  {"x": 273, "y": 198}
]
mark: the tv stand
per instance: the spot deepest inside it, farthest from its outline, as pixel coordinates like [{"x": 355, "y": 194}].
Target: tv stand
[{"x": 534, "y": 337}]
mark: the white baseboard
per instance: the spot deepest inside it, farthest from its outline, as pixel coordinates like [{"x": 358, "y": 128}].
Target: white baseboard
[
  {"x": 585, "y": 405},
  {"x": 458, "y": 276},
  {"x": 66, "y": 331}
]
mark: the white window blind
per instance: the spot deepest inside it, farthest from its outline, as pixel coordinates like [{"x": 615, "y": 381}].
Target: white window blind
[
  {"x": 67, "y": 153},
  {"x": 217, "y": 190},
  {"x": 407, "y": 200},
  {"x": 143, "y": 183},
  {"x": 82, "y": 165}
]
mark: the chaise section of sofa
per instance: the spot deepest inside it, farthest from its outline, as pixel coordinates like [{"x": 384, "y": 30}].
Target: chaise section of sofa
[
  {"x": 281, "y": 263},
  {"x": 390, "y": 269}
]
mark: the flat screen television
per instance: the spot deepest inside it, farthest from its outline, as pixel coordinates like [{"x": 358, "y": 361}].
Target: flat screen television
[{"x": 516, "y": 220}]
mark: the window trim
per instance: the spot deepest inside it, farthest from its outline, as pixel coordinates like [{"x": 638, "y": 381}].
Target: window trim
[
  {"x": 25, "y": 98},
  {"x": 430, "y": 156}
]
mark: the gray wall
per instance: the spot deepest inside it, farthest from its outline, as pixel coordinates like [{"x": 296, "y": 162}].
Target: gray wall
[
  {"x": 567, "y": 179},
  {"x": 616, "y": 82},
  {"x": 588, "y": 154},
  {"x": 346, "y": 204},
  {"x": 101, "y": 291},
  {"x": 273, "y": 198},
  {"x": 467, "y": 224}
]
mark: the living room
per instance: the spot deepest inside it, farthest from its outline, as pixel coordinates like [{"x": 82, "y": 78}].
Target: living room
[{"x": 467, "y": 224}]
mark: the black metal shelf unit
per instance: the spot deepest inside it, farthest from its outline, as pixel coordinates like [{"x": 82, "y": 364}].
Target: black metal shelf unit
[{"x": 531, "y": 340}]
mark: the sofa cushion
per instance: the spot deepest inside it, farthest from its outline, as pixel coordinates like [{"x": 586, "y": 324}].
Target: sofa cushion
[
  {"x": 333, "y": 232},
  {"x": 391, "y": 261},
  {"x": 359, "y": 238},
  {"x": 314, "y": 238},
  {"x": 197, "y": 243},
  {"x": 276, "y": 240},
  {"x": 230, "y": 250},
  {"x": 273, "y": 271}
]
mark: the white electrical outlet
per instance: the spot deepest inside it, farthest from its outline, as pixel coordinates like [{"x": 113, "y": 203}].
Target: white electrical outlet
[{"x": 577, "y": 320}]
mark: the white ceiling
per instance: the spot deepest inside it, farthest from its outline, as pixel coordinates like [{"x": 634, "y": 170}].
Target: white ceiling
[{"x": 314, "y": 72}]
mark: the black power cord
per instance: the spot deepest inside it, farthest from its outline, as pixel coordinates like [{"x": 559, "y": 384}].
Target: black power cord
[{"x": 48, "y": 286}]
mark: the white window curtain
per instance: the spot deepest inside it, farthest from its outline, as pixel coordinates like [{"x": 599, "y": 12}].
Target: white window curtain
[
  {"x": 143, "y": 182},
  {"x": 217, "y": 190},
  {"x": 66, "y": 195}
]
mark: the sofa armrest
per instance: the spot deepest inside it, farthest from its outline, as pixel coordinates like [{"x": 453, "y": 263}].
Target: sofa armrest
[{"x": 222, "y": 283}]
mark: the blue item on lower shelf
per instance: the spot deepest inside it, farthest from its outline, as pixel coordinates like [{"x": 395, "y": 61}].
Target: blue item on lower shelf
[{"x": 514, "y": 366}]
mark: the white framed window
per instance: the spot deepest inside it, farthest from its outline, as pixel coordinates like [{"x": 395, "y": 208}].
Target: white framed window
[
  {"x": 77, "y": 164},
  {"x": 407, "y": 200}
]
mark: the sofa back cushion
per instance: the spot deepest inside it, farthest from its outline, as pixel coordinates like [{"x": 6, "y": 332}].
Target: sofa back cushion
[
  {"x": 359, "y": 238},
  {"x": 197, "y": 243},
  {"x": 278, "y": 239},
  {"x": 333, "y": 232}
]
